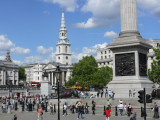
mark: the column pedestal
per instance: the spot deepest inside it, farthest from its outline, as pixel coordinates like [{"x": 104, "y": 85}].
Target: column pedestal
[{"x": 45, "y": 88}]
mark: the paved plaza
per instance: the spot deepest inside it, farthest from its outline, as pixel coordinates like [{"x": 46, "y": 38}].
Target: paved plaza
[{"x": 46, "y": 116}]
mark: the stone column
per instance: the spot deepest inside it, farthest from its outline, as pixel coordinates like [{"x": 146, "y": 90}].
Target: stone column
[
  {"x": 128, "y": 15},
  {"x": 49, "y": 77},
  {"x": 52, "y": 77},
  {"x": 62, "y": 83}
]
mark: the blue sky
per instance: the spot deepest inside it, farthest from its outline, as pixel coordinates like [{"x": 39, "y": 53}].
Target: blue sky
[{"x": 30, "y": 28}]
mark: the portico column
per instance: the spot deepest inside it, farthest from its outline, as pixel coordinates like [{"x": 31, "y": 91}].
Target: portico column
[
  {"x": 52, "y": 78},
  {"x": 62, "y": 78}
]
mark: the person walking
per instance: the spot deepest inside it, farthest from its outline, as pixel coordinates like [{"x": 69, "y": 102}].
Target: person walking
[
  {"x": 134, "y": 93},
  {"x": 86, "y": 108},
  {"x": 101, "y": 93},
  {"x": 98, "y": 94},
  {"x": 156, "y": 111},
  {"x": 129, "y": 110},
  {"x": 106, "y": 93},
  {"x": 108, "y": 113},
  {"x": 121, "y": 107},
  {"x": 133, "y": 116},
  {"x": 130, "y": 93},
  {"x": 40, "y": 113},
  {"x": 93, "y": 108},
  {"x": 80, "y": 110},
  {"x": 51, "y": 109},
  {"x": 15, "y": 117},
  {"x": 65, "y": 109}
]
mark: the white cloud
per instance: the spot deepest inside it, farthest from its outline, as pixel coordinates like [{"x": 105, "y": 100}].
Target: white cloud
[
  {"x": 2, "y": 57},
  {"x": 20, "y": 51},
  {"x": 105, "y": 12},
  {"x": 43, "y": 50},
  {"x": 69, "y": 5},
  {"x": 87, "y": 51},
  {"x": 110, "y": 34},
  {"x": 152, "y": 6},
  {"x": 5, "y": 43}
]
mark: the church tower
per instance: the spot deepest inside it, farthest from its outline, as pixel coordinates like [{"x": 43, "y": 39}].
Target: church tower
[{"x": 63, "y": 53}]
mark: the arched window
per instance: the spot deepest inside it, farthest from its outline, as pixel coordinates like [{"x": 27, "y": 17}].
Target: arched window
[
  {"x": 59, "y": 49},
  {"x": 66, "y": 48},
  {"x": 66, "y": 57}
]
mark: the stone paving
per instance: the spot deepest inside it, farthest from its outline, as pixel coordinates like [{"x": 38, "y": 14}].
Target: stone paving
[
  {"x": 99, "y": 114},
  {"x": 46, "y": 116}
]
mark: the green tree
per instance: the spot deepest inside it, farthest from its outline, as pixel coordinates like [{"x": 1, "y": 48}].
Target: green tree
[
  {"x": 86, "y": 73},
  {"x": 22, "y": 75},
  {"x": 102, "y": 77},
  {"x": 154, "y": 72}
]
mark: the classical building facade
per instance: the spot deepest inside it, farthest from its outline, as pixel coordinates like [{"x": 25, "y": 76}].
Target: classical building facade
[
  {"x": 8, "y": 71},
  {"x": 63, "y": 57},
  {"x": 35, "y": 71},
  {"x": 105, "y": 55}
]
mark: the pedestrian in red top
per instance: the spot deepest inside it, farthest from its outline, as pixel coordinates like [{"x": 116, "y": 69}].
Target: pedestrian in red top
[{"x": 108, "y": 113}]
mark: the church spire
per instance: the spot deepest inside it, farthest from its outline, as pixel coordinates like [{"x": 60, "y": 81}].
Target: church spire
[
  {"x": 63, "y": 29},
  {"x": 63, "y": 20}
]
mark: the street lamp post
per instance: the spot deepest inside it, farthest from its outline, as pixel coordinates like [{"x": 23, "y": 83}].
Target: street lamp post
[
  {"x": 58, "y": 75},
  {"x": 9, "y": 87}
]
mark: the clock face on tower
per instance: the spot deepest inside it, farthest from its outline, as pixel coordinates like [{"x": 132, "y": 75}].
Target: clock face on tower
[{"x": 125, "y": 64}]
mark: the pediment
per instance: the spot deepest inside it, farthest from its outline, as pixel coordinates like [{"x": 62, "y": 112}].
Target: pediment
[{"x": 49, "y": 66}]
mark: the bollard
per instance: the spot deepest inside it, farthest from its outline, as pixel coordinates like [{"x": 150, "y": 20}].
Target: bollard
[
  {"x": 142, "y": 115},
  {"x": 55, "y": 108},
  {"x": 104, "y": 113},
  {"x": 116, "y": 111}
]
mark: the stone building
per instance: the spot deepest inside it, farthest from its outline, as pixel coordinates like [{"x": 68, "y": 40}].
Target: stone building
[
  {"x": 8, "y": 71},
  {"x": 105, "y": 55},
  {"x": 35, "y": 71}
]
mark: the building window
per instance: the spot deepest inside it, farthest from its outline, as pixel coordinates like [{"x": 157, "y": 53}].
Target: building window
[
  {"x": 38, "y": 78},
  {"x": 66, "y": 57},
  {"x": 59, "y": 49},
  {"x": 101, "y": 57},
  {"x": 105, "y": 52},
  {"x": 105, "y": 57},
  {"x": 109, "y": 51},
  {"x": 101, "y": 52},
  {"x": 104, "y": 63},
  {"x": 66, "y": 63},
  {"x": 59, "y": 58},
  {"x": 66, "y": 49},
  {"x": 109, "y": 56}
]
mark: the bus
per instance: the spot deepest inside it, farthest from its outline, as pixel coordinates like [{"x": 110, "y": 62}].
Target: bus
[{"x": 35, "y": 85}]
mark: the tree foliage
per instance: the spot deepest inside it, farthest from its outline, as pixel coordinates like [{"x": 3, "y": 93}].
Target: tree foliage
[
  {"x": 22, "y": 75},
  {"x": 87, "y": 73},
  {"x": 154, "y": 72}
]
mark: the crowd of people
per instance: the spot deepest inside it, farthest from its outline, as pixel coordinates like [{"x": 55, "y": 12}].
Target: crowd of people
[
  {"x": 107, "y": 93},
  {"x": 41, "y": 104}
]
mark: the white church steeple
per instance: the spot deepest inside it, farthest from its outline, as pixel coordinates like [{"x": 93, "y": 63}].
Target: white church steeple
[{"x": 63, "y": 53}]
